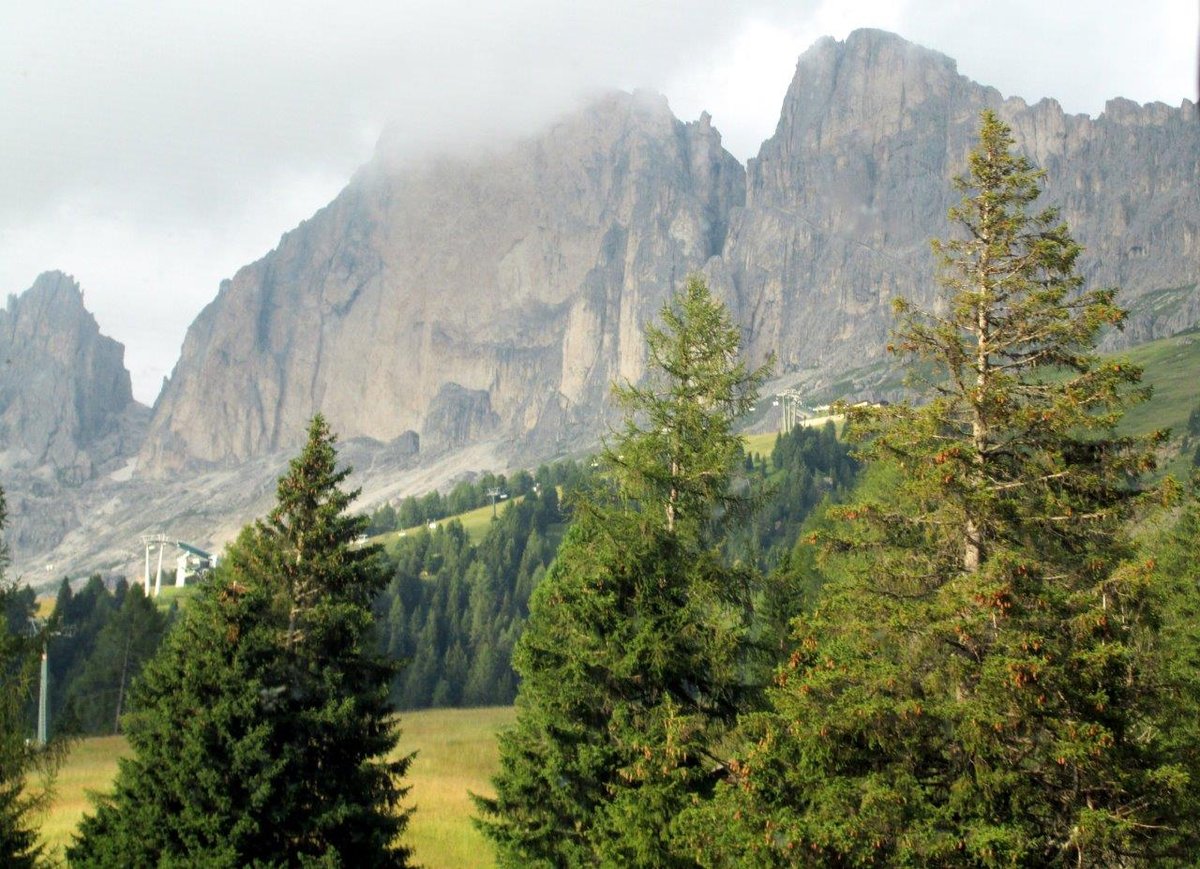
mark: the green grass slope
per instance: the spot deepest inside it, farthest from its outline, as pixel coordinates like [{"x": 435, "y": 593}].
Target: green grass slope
[
  {"x": 1172, "y": 367},
  {"x": 475, "y": 522}
]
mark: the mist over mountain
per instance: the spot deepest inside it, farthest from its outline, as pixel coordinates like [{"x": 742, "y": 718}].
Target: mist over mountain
[
  {"x": 462, "y": 299},
  {"x": 487, "y": 302}
]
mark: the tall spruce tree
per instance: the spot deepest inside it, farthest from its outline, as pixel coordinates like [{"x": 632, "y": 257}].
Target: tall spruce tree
[
  {"x": 261, "y": 732},
  {"x": 976, "y": 686},
  {"x": 630, "y": 660}
]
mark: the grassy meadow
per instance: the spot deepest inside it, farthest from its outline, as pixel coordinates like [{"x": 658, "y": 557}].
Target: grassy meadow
[
  {"x": 475, "y": 522},
  {"x": 456, "y": 753},
  {"x": 1172, "y": 367}
]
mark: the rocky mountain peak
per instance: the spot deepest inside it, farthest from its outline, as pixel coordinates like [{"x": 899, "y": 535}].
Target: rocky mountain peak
[
  {"x": 470, "y": 310},
  {"x": 64, "y": 388},
  {"x": 843, "y": 199},
  {"x": 494, "y": 295}
]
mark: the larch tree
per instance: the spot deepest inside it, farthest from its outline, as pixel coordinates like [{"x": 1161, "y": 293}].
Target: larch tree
[
  {"x": 262, "y": 733},
  {"x": 630, "y": 662},
  {"x": 975, "y": 686}
]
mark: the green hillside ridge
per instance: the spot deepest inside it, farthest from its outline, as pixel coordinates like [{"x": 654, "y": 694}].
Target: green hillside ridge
[
  {"x": 475, "y": 522},
  {"x": 1171, "y": 366}
]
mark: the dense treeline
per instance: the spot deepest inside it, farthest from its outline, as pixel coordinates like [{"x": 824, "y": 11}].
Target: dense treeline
[
  {"x": 805, "y": 467},
  {"x": 100, "y": 640},
  {"x": 453, "y": 610},
  {"x": 97, "y": 639},
  {"x": 466, "y": 495}
]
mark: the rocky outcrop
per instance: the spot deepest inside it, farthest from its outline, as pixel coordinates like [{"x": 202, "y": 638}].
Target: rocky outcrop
[
  {"x": 66, "y": 407},
  {"x": 842, "y": 201},
  {"x": 457, "y": 417},
  {"x": 492, "y": 296}
]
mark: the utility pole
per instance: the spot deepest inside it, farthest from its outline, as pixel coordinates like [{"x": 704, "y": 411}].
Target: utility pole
[
  {"x": 43, "y": 688},
  {"x": 43, "y": 722},
  {"x": 43, "y": 692}
]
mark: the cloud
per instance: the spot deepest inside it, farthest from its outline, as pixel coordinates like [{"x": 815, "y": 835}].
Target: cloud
[{"x": 151, "y": 147}]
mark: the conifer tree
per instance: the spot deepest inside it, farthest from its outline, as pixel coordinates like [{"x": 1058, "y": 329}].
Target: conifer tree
[
  {"x": 22, "y": 763},
  {"x": 975, "y": 688},
  {"x": 18, "y": 670},
  {"x": 261, "y": 732},
  {"x": 630, "y": 659}
]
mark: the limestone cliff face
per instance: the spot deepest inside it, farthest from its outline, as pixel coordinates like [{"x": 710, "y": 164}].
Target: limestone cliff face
[
  {"x": 842, "y": 201},
  {"x": 66, "y": 407},
  {"x": 493, "y": 296}
]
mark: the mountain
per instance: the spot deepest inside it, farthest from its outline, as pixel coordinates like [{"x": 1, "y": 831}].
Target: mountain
[
  {"x": 67, "y": 412},
  {"x": 469, "y": 312},
  {"x": 66, "y": 406},
  {"x": 843, "y": 199},
  {"x": 494, "y": 298},
  {"x": 463, "y": 299}
]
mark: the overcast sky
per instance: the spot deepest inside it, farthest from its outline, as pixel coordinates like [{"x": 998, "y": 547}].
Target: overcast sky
[{"x": 152, "y": 147}]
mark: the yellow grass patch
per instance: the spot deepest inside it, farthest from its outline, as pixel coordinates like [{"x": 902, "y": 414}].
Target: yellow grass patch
[{"x": 456, "y": 753}]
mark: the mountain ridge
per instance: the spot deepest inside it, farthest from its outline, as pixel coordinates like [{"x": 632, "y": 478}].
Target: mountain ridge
[
  {"x": 466, "y": 309},
  {"x": 565, "y": 243}
]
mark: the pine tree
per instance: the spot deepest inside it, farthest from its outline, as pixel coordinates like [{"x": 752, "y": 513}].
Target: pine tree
[
  {"x": 630, "y": 659},
  {"x": 260, "y": 734},
  {"x": 975, "y": 688}
]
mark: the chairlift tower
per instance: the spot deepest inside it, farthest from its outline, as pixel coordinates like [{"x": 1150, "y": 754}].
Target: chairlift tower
[
  {"x": 790, "y": 414},
  {"x": 191, "y": 555},
  {"x": 43, "y": 696},
  {"x": 149, "y": 541},
  {"x": 495, "y": 493}
]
